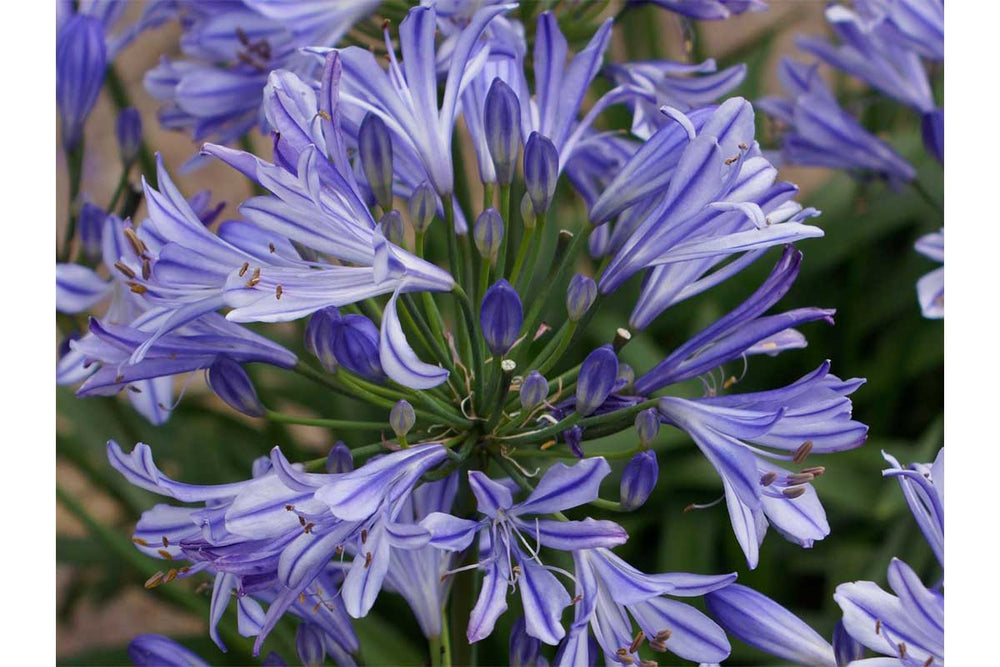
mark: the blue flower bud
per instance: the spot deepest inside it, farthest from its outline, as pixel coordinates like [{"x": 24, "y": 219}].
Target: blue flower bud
[
  {"x": 647, "y": 425},
  {"x": 128, "y": 132},
  {"x": 639, "y": 479},
  {"x": 319, "y": 337},
  {"x": 534, "y": 390},
  {"x": 580, "y": 296},
  {"x": 309, "y": 645},
  {"x": 392, "y": 227},
  {"x": 541, "y": 171},
  {"x": 501, "y": 317},
  {"x": 91, "y": 222},
  {"x": 502, "y": 123},
  {"x": 340, "y": 458},
  {"x": 523, "y": 647},
  {"x": 232, "y": 384},
  {"x": 375, "y": 149},
  {"x": 422, "y": 206},
  {"x": 402, "y": 418},
  {"x": 574, "y": 438},
  {"x": 596, "y": 380},
  {"x": 355, "y": 346},
  {"x": 81, "y": 58},
  {"x": 488, "y": 233}
]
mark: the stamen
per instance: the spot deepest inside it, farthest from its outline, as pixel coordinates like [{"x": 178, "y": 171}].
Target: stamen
[
  {"x": 135, "y": 241},
  {"x": 141, "y": 542},
  {"x": 696, "y": 506},
  {"x": 648, "y": 663},
  {"x": 623, "y": 657},
  {"x": 146, "y": 269},
  {"x": 902, "y": 650},
  {"x": 547, "y": 445},
  {"x": 816, "y": 471},
  {"x": 278, "y": 290},
  {"x": 339, "y": 550},
  {"x": 878, "y": 626},
  {"x": 290, "y": 508},
  {"x": 165, "y": 554},
  {"x": 243, "y": 269},
  {"x": 743, "y": 146},
  {"x": 663, "y": 635},
  {"x": 129, "y": 273},
  {"x": 166, "y": 542},
  {"x": 368, "y": 559},
  {"x": 364, "y": 535},
  {"x": 254, "y": 278},
  {"x": 132, "y": 388},
  {"x": 637, "y": 642},
  {"x": 802, "y": 452},
  {"x": 929, "y": 661},
  {"x": 730, "y": 160},
  {"x": 800, "y": 478},
  {"x": 154, "y": 580},
  {"x": 171, "y": 575},
  {"x": 204, "y": 586},
  {"x": 308, "y": 528},
  {"x": 270, "y": 246},
  {"x": 793, "y": 491},
  {"x": 137, "y": 288},
  {"x": 768, "y": 478},
  {"x": 324, "y": 115}
]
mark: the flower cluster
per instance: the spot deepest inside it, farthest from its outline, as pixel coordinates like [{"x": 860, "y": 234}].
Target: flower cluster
[{"x": 463, "y": 320}]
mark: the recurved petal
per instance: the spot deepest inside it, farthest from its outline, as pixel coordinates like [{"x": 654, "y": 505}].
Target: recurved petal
[
  {"x": 760, "y": 621},
  {"x": 544, "y": 600},
  {"x": 563, "y": 487},
  {"x": 573, "y": 535},
  {"x": 491, "y": 604},
  {"x": 398, "y": 359}
]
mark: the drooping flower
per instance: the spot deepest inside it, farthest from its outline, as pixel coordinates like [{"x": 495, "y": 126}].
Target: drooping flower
[
  {"x": 505, "y": 552},
  {"x": 816, "y": 132},
  {"x": 930, "y": 288}
]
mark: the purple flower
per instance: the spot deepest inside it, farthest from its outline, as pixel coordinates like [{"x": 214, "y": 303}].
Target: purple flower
[
  {"x": 502, "y": 128},
  {"x": 81, "y": 58},
  {"x": 505, "y": 551},
  {"x": 710, "y": 10},
  {"x": 232, "y": 384},
  {"x": 930, "y": 288},
  {"x": 158, "y": 651},
  {"x": 597, "y": 378},
  {"x": 488, "y": 234},
  {"x": 609, "y": 591},
  {"x": 818, "y": 133},
  {"x": 639, "y": 479},
  {"x": 923, "y": 488},
  {"x": 501, "y": 317},
  {"x": 534, "y": 390}
]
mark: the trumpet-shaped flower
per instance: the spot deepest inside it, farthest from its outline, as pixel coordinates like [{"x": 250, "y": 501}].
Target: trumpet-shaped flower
[{"x": 930, "y": 288}]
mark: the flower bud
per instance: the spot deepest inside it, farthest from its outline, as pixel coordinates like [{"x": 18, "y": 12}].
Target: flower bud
[
  {"x": 639, "y": 479},
  {"x": 340, "y": 458},
  {"x": 319, "y": 337},
  {"x": 392, "y": 227},
  {"x": 375, "y": 149},
  {"x": 355, "y": 346},
  {"x": 596, "y": 380},
  {"x": 534, "y": 390},
  {"x": 81, "y": 58},
  {"x": 541, "y": 171},
  {"x": 527, "y": 212},
  {"x": 488, "y": 234},
  {"x": 402, "y": 418},
  {"x": 574, "y": 438},
  {"x": 932, "y": 130},
  {"x": 232, "y": 384},
  {"x": 422, "y": 206},
  {"x": 128, "y": 132},
  {"x": 647, "y": 425},
  {"x": 501, "y": 317},
  {"x": 91, "y": 222},
  {"x": 502, "y": 123},
  {"x": 523, "y": 647},
  {"x": 309, "y": 645},
  {"x": 580, "y": 296}
]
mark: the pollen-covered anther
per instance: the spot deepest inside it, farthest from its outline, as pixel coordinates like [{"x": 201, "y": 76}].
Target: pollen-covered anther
[
  {"x": 134, "y": 389},
  {"x": 270, "y": 246},
  {"x": 902, "y": 650},
  {"x": 166, "y": 542},
  {"x": 743, "y": 146},
  {"x": 154, "y": 580},
  {"x": 127, "y": 272},
  {"x": 289, "y": 508},
  {"x": 768, "y": 478},
  {"x": 147, "y": 270},
  {"x": 730, "y": 160},
  {"x": 137, "y": 288},
  {"x": 204, "y": 586},
  {"x": 576, "y": 599},
  {"x": 793, "y": 491},
  {"x": 623, "y": 657},
  {"x": 141, "y": 542},
  {"x": 729, "y": 382},
  {"x": 324, "y": 115},
  {"x": 800, "y": 478},
  {"x": 929, "y": 661},
  {"x": 254, "y": 278},
  {"x": 364, "y": 536},
  {"x": 171, "y": 575},
  {"x": 244, "y": 269},
  {"x": 878, "y": 626},
  {"x": 816, "y": 471},
  {"x": 802, "y": 452},
  {"x": 278, "y": 291},
  {"x": 339, "y": 550},
  {"x": 135, "y": 242},
  {"x": 663, "y": 635},
  {"x": 368, "y": 559},
  {"x": 165, "y": 554},
  {"x": 648, "y": 663},
  {"x": 302, "y": 521},
  {"x": 302, "y": 597},
  {"x": 307, "y": 529},
  {"x": 637, "y": 642}
]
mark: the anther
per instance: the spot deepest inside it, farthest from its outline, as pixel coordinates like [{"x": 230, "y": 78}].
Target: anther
[
  {"x": 302, "y": 521},
  {"x": 290, "y": 508},
  {"x": 254, "y": 278},
  {"x": 637, "y": 642},
  {"x": 802, "y": 452},
  {"x": 202, "y": 587},
  {"x": 308, "y": 528},
  {"x": 368, "y": 559},
  {"x": 339, "y": 550},
  {"x": 129, "y": 273},
  {"x": 154, "y": 581},
  {"x": 141, "y": 542},
  {"x": 546, "y": 445},
  {"x": 816, "y": 471},
  {"x": 902, "y": 650},
  {"x": 800, "y": 478},
  {"x": 742, "y": 146},
  {"x": 147, "y": 271},
  {"x": 768, "y": 478},
  {"x": 119, "y": 378},
  {"x": 659, "y": 647},
  {"x": 732, "y": 159},
  {"x": 135, "y": 241},
  {"x": 166, "y": 542},
  {"x": 134, "y": 389},
  {"x": 793, "y": 491},
  {"x": 576, "y": 599},
  {"x": 364, "y": 535},
  {"x": 878, "y": 626},
  {"x": 729, "y": 382},
  {"x": 270, "y": 246},
  {"x": 137, "y": 288},
  {"x": 663, "y": 635},
  {"x": 648, "y": 663},
  {"x": 623, "y": 657},
  {"x": 929, "y": 661},
  {"x": 278, "y": 291},
  {"x": 324, "y": 115},
  {"x": 302, "y": 598},
  {"x": 386, "y": 23},
  {"x": 165, "y": 554},
  {"x": 171, "y": 575},
  {"x": 243, "y": 269}
]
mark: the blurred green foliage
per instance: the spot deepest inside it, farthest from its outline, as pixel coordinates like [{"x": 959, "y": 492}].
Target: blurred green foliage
[{"x": 865, "y": 267}]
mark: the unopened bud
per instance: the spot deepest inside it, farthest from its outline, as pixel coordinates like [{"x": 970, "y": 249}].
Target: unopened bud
[
  {"x": 488, "y": 234},
  {"x": 647, "y": 426},
  {"x": 574, "y": 438},
  {"x": 501, "y": 317},
  {"x": 91, "y": 222},
  {"x": 128, "y": 132},
  {"x": 392, "y": 227},
  {"x": 534, "y": 390},
  {"x": 232, "y": 384},
  {"x": 375, "y": 149},
  {"x": 340, "y": 458},
  {"x": 541, "y": 171},
  {"x": 626, "y": 377},
  {"x": 422, "y": 206},
  {"x": 580, "y": 296},
  {"x": 639, "y": 479},
  {"x": 502, "y": 124},
  {"x": 523, "y": 647},
  {"x": 596, "y": 380},
  {"x": 309, "y": 645},
  {"x": 402, "y": 418}
]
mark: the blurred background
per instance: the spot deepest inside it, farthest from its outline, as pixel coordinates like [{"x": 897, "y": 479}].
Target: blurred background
[{"x": 865, "y": 267}]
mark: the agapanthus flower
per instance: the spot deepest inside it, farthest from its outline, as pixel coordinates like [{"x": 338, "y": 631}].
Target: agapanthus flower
[
  {"x": 274, "y": 538},
  {"x": 230, "y": 48},
  {"x": 881, "y": 43},
  {"x": 506, "y": 533},
  {"x": 930, "y": 288},
  {"x": 709, "y": 10},
  {"x": 610, "y": 591},
  {"x": 151, "y": 650},
  {"x": 816, "y": 132}
]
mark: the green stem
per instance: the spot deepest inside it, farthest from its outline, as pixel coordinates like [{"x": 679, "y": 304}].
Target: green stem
[
  {"x": 555, "y": 349},
  {"x": 74, "y": 164},
  {"x": 119, "y": 190},
  {"x": 927, "y": 196},
  {"x": 505, "y": 216},
  {"x": 327, "y": 423},
  {"x": 454, "y": 261},
  {"x": 119, "y": 95},
  {"x": 477, "y": 352},
  {"x": 522, "y": 252}
]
